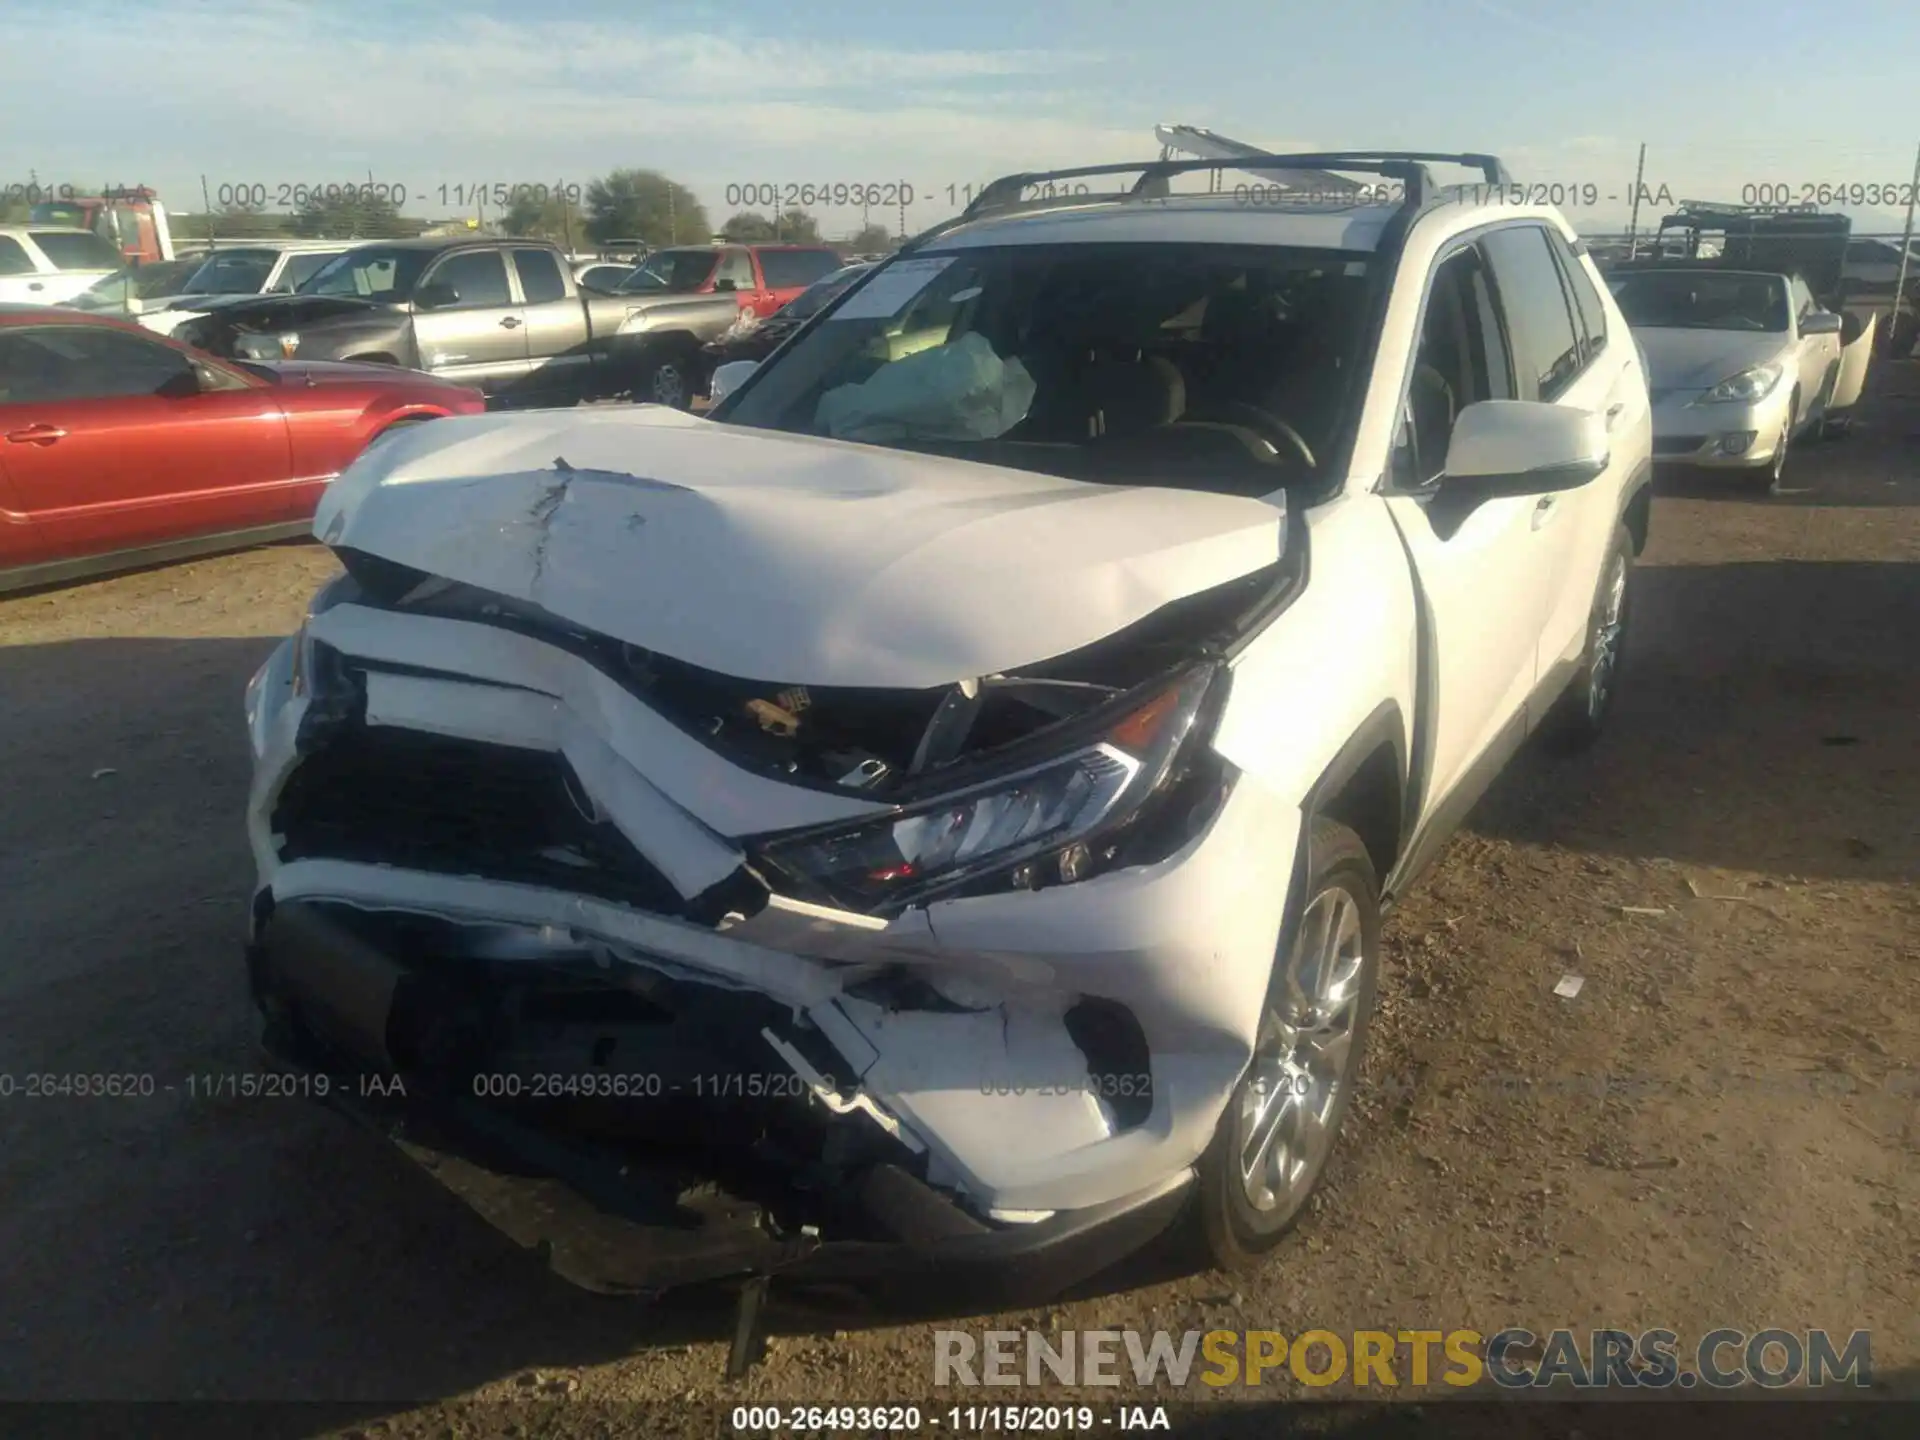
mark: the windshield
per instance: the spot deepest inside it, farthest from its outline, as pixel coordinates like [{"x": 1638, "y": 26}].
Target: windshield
[
  {"x": 372, "y": 272},
  {"x": 1167, "y": 363},
  {"x": 1702, "y": 300},
  {"x": 76, "y": 250},
  {"x": 135, "y": 282},
  {"x": 816, "y": 296},
  {"x": 232, "y": 272},
  {"x": 59, "y": 212},
  {"x": 671, "y": 272},
  {"x": 301, "y": 268}
]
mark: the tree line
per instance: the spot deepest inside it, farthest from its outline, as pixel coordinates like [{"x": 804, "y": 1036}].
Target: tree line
[{"x": 625, "y": 205}]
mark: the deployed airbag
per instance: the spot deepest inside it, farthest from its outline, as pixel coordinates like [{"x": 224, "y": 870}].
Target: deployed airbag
[{"x": 961, "y": 391}]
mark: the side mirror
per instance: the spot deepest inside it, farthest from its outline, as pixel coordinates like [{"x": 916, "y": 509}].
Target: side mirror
[
  {"x": 182, "y": 385},
  {"x": 436, "y": 296},
  {"x": 1820, "y": 322},
  {"x": 1522, "y": 447},
  {"x": 728, "y": 378}
]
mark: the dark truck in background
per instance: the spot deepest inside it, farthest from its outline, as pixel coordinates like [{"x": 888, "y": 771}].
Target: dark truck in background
[{"x": 504, "y": 316}]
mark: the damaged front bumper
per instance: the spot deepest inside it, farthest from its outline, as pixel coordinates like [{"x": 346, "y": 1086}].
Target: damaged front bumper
[
  {"x": 1010, "y": 1085},
  {"x": 606, "y": 1172}
]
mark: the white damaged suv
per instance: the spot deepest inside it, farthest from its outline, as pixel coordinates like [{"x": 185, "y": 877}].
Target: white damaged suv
[{"x": 936, "y": 813}]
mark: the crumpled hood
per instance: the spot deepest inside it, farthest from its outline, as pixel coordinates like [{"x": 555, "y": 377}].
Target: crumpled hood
[
  {"x": 1699, "y": 359},
  {"x": 785, "y": 558}
]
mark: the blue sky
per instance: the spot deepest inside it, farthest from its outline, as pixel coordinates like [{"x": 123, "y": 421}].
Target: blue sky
[{"x": 434, "y": 93}]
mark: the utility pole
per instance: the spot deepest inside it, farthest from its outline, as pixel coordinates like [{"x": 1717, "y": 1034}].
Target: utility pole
[
  {"x": 206, "y": 200},
  {"x": 1633, "y": 224},
  {"x": 1906, "y": 244}
]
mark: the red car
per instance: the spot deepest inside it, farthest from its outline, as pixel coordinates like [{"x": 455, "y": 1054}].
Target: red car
[
  {"x": 761, "y": 278},
  {"x": 120, "y": 448}
]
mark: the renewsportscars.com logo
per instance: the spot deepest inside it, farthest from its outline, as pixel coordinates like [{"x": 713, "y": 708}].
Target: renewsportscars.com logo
[{"x": 1388, "y": 1359}]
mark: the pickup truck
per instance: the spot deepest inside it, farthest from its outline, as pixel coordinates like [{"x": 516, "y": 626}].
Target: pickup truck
[
  {"x": 504, "y": 316},
  {"x": 936, "y": 812}
]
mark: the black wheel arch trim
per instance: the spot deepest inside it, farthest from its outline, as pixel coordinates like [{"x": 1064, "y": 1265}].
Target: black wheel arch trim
[
  {"x": 1638, "y": 491},
  {"x": 1385, "y": 725}
]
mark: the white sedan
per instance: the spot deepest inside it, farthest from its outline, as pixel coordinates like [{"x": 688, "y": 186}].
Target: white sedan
[{"x": 1741, "y": 363}]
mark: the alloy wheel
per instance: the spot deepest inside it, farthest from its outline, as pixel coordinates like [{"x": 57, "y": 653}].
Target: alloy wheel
[
  {"x": 668, "y": 385},
  {"x": 1302, "y": 1060}
]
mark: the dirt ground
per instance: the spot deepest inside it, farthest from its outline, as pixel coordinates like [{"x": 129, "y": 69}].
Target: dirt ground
[{"x": 1731, "y": 873}]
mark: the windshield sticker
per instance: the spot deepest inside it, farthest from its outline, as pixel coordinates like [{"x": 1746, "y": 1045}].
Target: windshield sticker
[{"x": 889, "y": 292}]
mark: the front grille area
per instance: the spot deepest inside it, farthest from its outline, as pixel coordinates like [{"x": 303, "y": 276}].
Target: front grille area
[
  {"x": 379, "y": 795},
  {"x": 1676, "y": 444}
]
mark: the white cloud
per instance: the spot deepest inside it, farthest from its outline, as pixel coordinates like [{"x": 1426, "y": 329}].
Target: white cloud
[{"x": 269, "y": 91}]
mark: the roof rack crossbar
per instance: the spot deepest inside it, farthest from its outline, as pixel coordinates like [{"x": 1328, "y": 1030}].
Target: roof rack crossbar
[{"x": 1407, "y": 166}]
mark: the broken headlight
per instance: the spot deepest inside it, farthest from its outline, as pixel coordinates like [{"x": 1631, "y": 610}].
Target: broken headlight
[
  {"x": 305, "y": 669},
  {"x": 1052, "y": 822}
]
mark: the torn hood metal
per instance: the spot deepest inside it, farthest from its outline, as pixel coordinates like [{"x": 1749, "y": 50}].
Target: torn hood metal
[{"x": 786, "y": 558}]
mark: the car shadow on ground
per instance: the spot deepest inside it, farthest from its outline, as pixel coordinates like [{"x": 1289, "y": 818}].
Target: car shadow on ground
[{"x": 1779, "y": 691}]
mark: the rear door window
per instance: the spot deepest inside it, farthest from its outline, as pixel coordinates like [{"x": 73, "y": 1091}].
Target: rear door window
[
  {"x": 785, "y": 269},
  {"x": 14, "y": 259},
  {"x": 1538, "y": 313},
  {"x": 539, "y": 274}
]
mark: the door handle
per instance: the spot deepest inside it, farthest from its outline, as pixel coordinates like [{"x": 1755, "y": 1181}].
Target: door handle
[
  {"x": 509, "y": 323},
  {"x": 1613, "y": 413},
  {"x": 1544, "y": 510},
  {"x": 35, "y": 285},
  {"x": 36, "y": 435}
]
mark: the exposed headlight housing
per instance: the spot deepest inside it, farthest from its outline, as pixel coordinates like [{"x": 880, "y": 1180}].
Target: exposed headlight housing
[
  {"x": 305, "y": 668},
  {"x": 1754, "y": 383},
  {"x": 1137, "y": 767}
]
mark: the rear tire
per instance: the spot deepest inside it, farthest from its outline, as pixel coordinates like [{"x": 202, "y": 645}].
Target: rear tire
[
  {"x": 668, "y": 380},
  {"x": 1299, "y": 1085},
  {"x": 1579, "y": 717}
]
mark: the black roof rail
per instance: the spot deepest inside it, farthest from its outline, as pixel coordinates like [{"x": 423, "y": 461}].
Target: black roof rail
[{"x": 1407, "y": 166}]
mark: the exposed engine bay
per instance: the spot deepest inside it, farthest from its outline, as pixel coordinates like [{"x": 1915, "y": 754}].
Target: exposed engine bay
[{"x": 876, "y": 741}]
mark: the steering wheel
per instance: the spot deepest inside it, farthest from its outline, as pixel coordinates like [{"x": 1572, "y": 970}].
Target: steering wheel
[{"x": 1271, "y": 427}]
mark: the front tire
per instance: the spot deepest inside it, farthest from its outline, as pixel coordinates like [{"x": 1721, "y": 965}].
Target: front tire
[
  {"x": 1283, "y": 1118},
  {"x": 1580, "y": 716},
  {"x": 1777, "y": 471}
]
